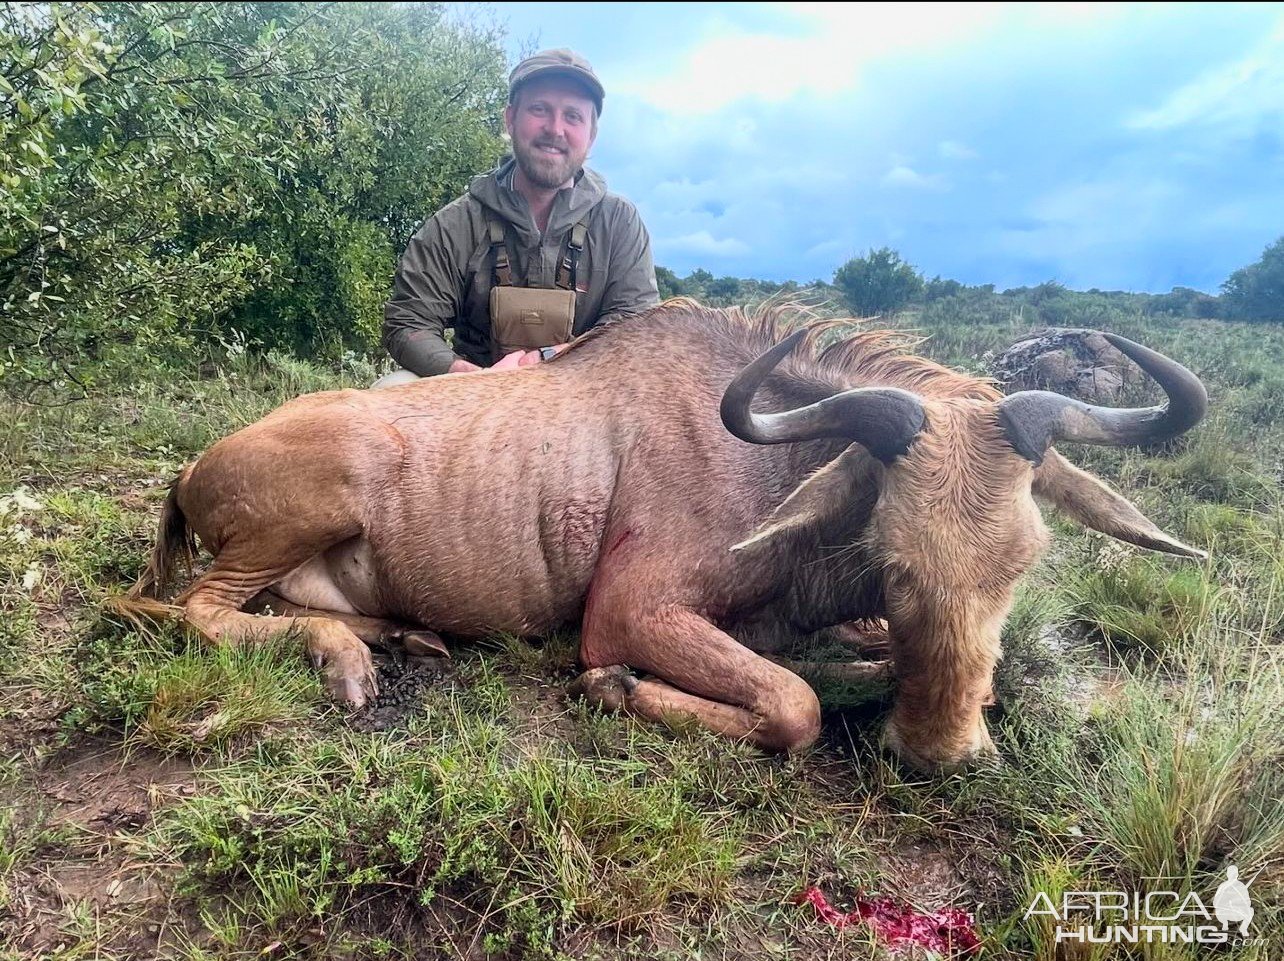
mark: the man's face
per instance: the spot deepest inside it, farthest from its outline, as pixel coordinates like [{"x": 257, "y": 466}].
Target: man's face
[{"x": 552, "y": 126}]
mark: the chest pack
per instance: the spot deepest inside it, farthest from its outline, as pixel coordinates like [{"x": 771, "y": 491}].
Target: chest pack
[{"x": 524, "y": 318}]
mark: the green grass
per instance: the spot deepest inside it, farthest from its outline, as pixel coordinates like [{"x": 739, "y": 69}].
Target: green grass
[
  {"x": 1137, "y": 716},
  {"x": 1142, "y": 604},
  {"x": 524, "y": 843},
  {"x": 206, "y": 699},
  {"x": 1053, "y": 877},
  {"x": 1212, "y": 470}
]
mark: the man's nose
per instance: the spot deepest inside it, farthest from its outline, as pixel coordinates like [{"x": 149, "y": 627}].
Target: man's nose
[{"x": 555, "y": 125}]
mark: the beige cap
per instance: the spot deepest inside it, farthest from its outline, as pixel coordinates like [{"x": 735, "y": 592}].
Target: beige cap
[{"x": 563, "y": 62}]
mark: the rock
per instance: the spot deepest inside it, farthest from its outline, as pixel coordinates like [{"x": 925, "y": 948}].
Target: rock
[{"x": 1074, "y": 362}]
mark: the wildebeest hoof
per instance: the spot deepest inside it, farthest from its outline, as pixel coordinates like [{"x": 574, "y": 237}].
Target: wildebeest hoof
[
  {"x": 349, "y": 692},
  {"x": 869, "y": 637},
  {"x": 424, "y": 644},
  {"x": 604, "y": 687},
  {"x": 349, "y": 675}
]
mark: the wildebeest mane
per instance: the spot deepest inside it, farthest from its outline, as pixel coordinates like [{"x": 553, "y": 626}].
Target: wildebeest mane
[{"x": 836, "y": 353}]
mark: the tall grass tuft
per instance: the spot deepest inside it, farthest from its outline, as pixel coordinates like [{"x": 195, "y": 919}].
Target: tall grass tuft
[{"x": 207, "y": 698}]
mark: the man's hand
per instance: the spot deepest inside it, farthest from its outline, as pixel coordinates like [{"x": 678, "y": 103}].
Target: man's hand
[
  {"x": 524, "y": 358},
  {"x": 518, "y": 358}
]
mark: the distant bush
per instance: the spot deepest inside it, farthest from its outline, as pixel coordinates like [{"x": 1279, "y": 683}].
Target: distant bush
[
  {"x": 1256, "y": 292},
  {"x": 938, "y": 288},
  {"x": 719, "y": 291},
  {"x": 1185, "y": 302},
  {"x": 878, "y": 283}
]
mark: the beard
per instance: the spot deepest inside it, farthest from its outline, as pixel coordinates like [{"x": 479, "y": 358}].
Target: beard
[{"x": 546, "y": 171}]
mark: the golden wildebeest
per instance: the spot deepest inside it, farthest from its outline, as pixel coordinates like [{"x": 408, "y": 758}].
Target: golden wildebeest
[{"x": 614, "y": 487}]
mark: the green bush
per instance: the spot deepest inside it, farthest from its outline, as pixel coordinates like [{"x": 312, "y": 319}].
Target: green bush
[
  {"x": 172, "y": 172},
  {"x": 878, "y": 283},
  {"x": 1256, "y": 292}
]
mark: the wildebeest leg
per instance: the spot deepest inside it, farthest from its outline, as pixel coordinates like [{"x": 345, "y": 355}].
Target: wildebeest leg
[
  {"x": 375, "y": 631},
  {"x": 876, "y": 673},
  {"x": 869, "y": 638},
  {"x": 698, "y": 672},
  {"x": 212, "y": 607}
]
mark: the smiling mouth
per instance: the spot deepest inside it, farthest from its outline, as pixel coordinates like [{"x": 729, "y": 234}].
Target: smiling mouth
[{"x": 551, "y": 151}]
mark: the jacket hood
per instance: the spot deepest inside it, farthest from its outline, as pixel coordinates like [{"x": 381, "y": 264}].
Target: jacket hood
[{"x": 571, "y": 204}]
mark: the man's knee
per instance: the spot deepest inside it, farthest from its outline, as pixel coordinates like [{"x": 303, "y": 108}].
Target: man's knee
[{"x": 395, "y": 379}]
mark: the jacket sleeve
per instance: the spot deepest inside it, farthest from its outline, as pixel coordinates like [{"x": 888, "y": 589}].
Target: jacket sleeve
[
  {"x": 630, "y": 278},
  {"x": 426, "y": 295}
]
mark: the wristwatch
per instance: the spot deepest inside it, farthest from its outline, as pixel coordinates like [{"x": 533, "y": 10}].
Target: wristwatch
[{"x": 547, "y": 353}]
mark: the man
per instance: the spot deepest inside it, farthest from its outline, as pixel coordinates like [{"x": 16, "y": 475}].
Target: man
[{"x": 539, "y": 242}]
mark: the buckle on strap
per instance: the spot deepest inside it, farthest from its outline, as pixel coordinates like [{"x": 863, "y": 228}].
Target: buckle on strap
[
  {"x": 568, "y": 269},
  {"x": 499, "y": 249}
]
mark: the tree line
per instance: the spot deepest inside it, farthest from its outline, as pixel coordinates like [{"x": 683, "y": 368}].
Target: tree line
[{"x": 882, "y": 282}]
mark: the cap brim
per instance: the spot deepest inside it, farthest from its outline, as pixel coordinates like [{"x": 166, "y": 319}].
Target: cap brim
[{"x": 590, "y": 83}]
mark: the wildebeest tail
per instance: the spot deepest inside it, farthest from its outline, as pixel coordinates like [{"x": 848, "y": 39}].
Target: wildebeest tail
[{"x": 173, "y": 540}]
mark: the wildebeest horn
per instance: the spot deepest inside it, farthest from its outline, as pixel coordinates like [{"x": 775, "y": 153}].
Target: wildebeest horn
[
  {"x": 1034, "y": 420},
  {"x": 884, "y": 420}
]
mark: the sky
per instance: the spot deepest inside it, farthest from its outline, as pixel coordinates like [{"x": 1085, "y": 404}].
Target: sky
[{"x": 1119, "y": 147}]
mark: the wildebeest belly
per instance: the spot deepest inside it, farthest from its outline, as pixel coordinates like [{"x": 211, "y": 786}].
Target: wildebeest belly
[
  {"x": 340, "y": 579},
  {"x": 469, "y": 574},
  {"x": 492, "y": 518}
]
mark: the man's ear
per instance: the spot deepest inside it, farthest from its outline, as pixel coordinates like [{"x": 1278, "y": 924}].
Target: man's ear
[
  {"x": 510, "y": 111},
  {"x": 821, "y": 497},
  {"x": 1089, "y": 501}
]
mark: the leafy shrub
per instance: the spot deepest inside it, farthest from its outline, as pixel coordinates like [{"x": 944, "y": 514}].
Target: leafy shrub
[
  {"x": 1256, "y": 292},
  {"x": 878, "y": 283},
  {"x": 173, "y": 171}
]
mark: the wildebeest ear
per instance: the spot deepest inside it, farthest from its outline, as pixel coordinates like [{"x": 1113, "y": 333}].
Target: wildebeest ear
[
  {"x": 1093, "y": 504},
  {"x": 822, "y": 497}
]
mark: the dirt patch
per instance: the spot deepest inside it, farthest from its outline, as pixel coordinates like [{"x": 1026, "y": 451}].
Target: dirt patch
[
  {"x": 110, "y": 901},
  {"x": 927, "y": 877},
  {"x": 107, "y": 788},
  {"x": 83, "y": 881},
  {"x": 30, "y": 727}
]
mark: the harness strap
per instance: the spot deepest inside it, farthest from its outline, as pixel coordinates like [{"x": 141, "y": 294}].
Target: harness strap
[
  {"x": 503, "y": 271},
  {"x": 569, "y": 267}
]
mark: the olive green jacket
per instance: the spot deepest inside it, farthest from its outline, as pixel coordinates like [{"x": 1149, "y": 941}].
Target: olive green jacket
[{"x": 446, "y": 273}]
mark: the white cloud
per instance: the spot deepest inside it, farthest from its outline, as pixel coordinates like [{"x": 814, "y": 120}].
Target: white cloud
[
  {"x": 776, "y": 143},
  {"x": 827, "y": 60},
  {"x": 1236, "y": 94},
  {"x": 702, "y": 243},
  {"x": 903, "y": 176},
  {"x": 1103, "y": 215},
  {"x": 826, "y": 248},
  {"x": 953, "y": 150}
]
